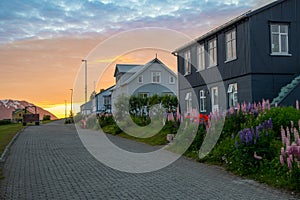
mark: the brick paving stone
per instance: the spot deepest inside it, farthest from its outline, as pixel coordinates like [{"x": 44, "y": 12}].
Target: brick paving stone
[{"x": 50, "y": 162}]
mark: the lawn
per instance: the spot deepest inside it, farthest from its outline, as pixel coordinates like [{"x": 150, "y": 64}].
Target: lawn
[{"x": 7, "y": 132}]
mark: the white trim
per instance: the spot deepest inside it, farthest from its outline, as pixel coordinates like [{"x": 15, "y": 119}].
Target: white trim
[
  {"x": 202, "y": 96},
  {"x": 152, "y": 76},
  {"x": 232, "y": 41},
  {"x": 280, "y": 35},
  {"x": 214, "y": 49},
  {"x": 174, "y": 81},
  {"x": 138, "y": 79}
]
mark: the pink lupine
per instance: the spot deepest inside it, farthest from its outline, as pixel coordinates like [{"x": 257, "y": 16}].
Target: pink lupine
[
  {"x": 289, "y": 162},
  {"x": 297, "y": 104},
  {"x": 288, "y": 135},
  {"x": 283, "y": 136},
  {"x": 288, "y": 150},
  {"x": 268, "y": 104},
  {"x": 281, "y": 160},
  {"x": 276, "y": 105},
  {"x": 282, "y": 152},
  {"x": 296, "y": 135},
  {"x": 263, "y": 104},
  {"x": 256, "y": 156}
]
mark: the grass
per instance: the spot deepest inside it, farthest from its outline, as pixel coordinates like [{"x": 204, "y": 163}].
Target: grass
[
  {"x": 7, "y": 132},
  {"x": 158, "y": 139}
]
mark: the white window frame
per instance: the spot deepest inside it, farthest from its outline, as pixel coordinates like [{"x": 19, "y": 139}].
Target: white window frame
[
  {"x": 201, "y": 57},
  {"x": 215, "y": 99},
  {"x": 187, "y": 63},
  {"x": 232, "y": 95},
  {"x": 170, "y": 80},
  {"x": 144, "y": 94},
  {"x": 230, "y": 44},
  {"x": 212, "y": 52},
  {"x": 142, "y": 79},
  {"x": 202, "y": 102},
  {"x": 280, "y": 36},
  {"x": 188, "y": 99},
  {"x": 156, "y": 74}
]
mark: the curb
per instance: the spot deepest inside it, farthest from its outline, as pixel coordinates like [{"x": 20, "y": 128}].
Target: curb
[{"x": 7, "y": 148}]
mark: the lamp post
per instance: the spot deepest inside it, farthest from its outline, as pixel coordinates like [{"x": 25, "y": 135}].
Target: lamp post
[
  {"x": 85, "y": 87},
  {"x": 71, "y": 113}
]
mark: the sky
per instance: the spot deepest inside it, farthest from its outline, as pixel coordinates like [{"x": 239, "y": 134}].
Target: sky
[{"x": 43, "y": 42}]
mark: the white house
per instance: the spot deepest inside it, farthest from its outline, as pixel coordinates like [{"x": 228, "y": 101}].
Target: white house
[{"x": 145, "y": 80}]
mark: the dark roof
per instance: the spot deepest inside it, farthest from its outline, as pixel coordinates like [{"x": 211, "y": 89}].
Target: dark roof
[
  {"x": 106, "y": 91},
  {"x": 126, "y": 68},
  {"x": 230, "y": 23}
]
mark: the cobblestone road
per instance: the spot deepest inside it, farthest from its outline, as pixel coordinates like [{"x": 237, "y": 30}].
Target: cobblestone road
[{"x": 50, "y": 162}]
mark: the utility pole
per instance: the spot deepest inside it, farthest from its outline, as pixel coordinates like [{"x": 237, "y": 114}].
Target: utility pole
[{"x": 85, "y": 87}]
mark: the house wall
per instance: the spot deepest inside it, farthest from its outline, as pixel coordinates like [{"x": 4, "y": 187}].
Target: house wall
[
  {"x": 274, "y": 72},
  {"x": 147, "y": 79}
]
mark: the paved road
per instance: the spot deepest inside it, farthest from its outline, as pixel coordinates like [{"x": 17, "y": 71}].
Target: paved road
[{"x": 50, "y": 162}]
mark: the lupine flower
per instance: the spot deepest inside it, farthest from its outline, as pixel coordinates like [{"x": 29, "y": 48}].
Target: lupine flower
[
  {"x": 296, "y": 135},
  {"x": 256, "y": 156},
  {"x": 236, "y": 145},
  {"x": 289, "y": 162},
  {"x": 282, "y": 152},
  {"x": 281, "y": 160},
  {"x": 283, "y": 136},
  {"x": 297, "y": 105}
]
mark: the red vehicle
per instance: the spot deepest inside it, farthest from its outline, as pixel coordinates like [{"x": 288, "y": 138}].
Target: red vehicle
[{"x": 31, "y": 118}]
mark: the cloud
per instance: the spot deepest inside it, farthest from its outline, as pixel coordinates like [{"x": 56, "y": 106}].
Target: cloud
[{"x": 46, "y": 19}]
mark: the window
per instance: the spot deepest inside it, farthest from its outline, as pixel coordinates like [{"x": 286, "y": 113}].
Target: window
[
  {"x": 140, "y": 79},
  {"x": 212, "y": 52},
  {"x": 231, "y": 45},
  {"x": 279, "y": 39},
  {"x": 144, "y": 94},
  {"x": 232, "y": 95},
  {"x": 202, "y": 101},
  {"x": 156, "y": 77},
  {"x": 188, "y": 99},
  {"x": 201, "y": 57},
  {"x": 187, "y": 62},
  {"x": 171, "y": 79},
  {"x": 215, "y": 99}
]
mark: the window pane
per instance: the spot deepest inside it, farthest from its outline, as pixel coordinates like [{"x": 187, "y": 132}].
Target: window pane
[
  {"x": 275, "y": 43},
  {"x": 283, "y": 29},
  {"x": 275, "y": 28},
  {"x": 284, "y": 44}
]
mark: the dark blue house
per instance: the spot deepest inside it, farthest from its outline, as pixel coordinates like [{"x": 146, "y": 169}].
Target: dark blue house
[{"x": 256, "y": 54}]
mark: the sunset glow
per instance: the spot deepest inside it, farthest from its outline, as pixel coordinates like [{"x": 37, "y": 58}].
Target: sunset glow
[{"x": 42, "y": 43}]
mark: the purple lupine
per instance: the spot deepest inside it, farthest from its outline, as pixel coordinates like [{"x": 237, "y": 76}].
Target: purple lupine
[
  {"x": 236, "y": 145},
  {"x": 257, "y": 133}
]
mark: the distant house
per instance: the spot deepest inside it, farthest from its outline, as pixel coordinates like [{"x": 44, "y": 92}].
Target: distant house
[
  {"x": 103, "y": 101},
  {"x": 145, "y": 80},
  {"x": 86, "y": 108},
  {"x": 257, "y": 55},
  {"x": 17, "y": 115}
]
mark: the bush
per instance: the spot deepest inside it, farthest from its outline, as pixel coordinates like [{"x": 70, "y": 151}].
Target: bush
[
  {"x": 5, "y": 121},
  {"x": 46, "y": 117}
]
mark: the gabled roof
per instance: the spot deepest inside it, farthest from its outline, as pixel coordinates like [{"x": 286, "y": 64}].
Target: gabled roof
[
  {"x": 229, "y": 23},
  {"x": 126, "y": 68},
  {"x": 146, "y": 66},
  {"x": 106, "y": 91}
]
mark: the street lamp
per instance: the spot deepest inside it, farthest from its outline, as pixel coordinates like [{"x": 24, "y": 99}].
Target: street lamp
[
  {"x": 85, "y": 88},
  {"x": 71, "y": 103}
]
